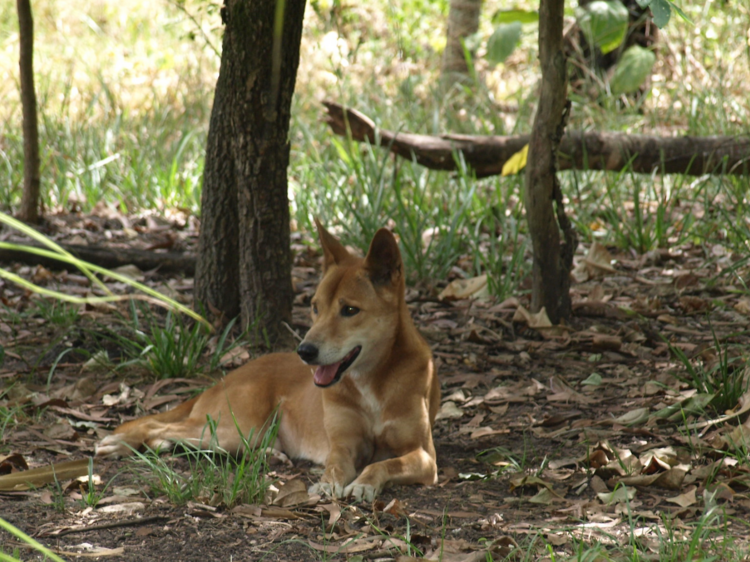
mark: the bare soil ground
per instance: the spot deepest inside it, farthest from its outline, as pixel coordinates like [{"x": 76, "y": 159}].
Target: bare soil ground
[{"x": 579, "y": 445}]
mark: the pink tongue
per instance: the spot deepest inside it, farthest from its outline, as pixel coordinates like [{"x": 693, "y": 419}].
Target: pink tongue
[{"x": 324, "y": 374}]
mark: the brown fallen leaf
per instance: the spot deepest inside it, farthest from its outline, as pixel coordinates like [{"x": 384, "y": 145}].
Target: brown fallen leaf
[
  {"x": 354, "y": 545},
  {"x": 291, "y": 493},
  {"x": 126, "y": 508},
  {"x": 597, "y": 263},
  {"x": 743, "y": 306},
  {"x": 562, "y": 392},
  {"x": 60, "y": 430},
  {"x": 11, "y": 463},
  {"x": 91, "y": 551},
  {"x": 449, "y": 410},
  {"x": 459, "y": 289},
  {"x": 691, "y": 304},
  {"x": 82, "y": 389},
  {"x": 280, "y": 513},
  {"x": 270, "y": 511},
  {"x": 540, "y": 321},
  {"x": 334, "y": 514},
  {"x": 485, "y": 431},
  {"x": 535, "y": 320},
  {"x": 235, "y": 357},
  {"x": 547, "y": 496},
  {"x": 686, "y": 499},
  {"x": 606, "y": 342}
]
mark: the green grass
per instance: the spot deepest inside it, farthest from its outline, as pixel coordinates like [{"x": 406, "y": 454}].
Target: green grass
[
  {"x": 709, "y": 538},
  {"x": 168, "y": 346},
  {"x": 125, "y": 101},
  {"x": 8, "y": 419},
  {"x": 26, "y": 539},
  {"x": 59, "y": 313},
  {"x": 724, "y": 379},
  {"x": 208, "y": 475},
  {"x": 90, "y": 494},
  {"x": 125, "y": 96}
]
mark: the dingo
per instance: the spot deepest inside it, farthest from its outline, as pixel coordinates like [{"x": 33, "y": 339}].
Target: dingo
[{"x": 361, "y": 393}]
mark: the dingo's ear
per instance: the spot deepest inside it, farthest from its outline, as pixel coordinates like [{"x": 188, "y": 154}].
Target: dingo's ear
[
  {"x": 383, "y": 261},
  {"x": 333, "y": 250}
]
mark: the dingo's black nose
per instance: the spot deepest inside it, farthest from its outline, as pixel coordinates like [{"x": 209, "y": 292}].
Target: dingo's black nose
[{"x": 307, "y": 351}]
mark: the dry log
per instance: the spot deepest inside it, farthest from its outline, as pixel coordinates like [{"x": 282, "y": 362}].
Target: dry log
[
  {"x": 145, "y": 260},
  {"x": 486, "y": 155}
]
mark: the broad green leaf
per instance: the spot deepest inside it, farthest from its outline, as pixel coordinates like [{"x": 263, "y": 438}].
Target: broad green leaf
[
  {"x": 502, "y": 42},
  {"x": 517, "y": 162},
  {"x": 644, "y": 3},
  {"x": 604, "y": 24},
  {"x": 632, "y": 70},
  {"x": 662, "y": 11},
  {"x": 510, "y": 16}
]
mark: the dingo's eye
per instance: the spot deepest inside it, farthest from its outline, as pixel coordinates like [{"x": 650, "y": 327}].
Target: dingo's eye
[
  {"x": 315, "y": 308},
  {"x": 348, "y": 311}
]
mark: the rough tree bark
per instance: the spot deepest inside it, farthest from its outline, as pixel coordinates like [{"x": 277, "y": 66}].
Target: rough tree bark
[
  {"x": 463, "y": 21},
  {"x": 244, "y": 259},
  {"x": 29, "y": 211},
  {"x": 544, "y": 203},
  {"x": 590, "y": 150}
]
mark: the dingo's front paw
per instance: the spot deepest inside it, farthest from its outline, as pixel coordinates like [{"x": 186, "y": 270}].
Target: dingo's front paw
[
  {"x": 334, "y": 490},
  {"x": 361, "y": 491},
  {"x": 112, "y": 446}
]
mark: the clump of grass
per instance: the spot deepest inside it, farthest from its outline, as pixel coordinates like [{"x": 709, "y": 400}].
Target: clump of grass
[
  {"x": 8, "y": 419},
  {"x": 63, "y": 314},
  {"x": 440, "y": 219},
  {"x": 173, "y": 350},
  {"x": 724, "y": 379},
  {"x": 90, "y": 495},
  {"x": 211, "y": 476},
  {"x": 171, "y": 347}
]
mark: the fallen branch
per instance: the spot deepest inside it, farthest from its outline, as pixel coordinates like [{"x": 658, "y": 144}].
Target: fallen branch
[
  {"x": 486, "y": 155},
  {"x": 145, "y": 260},
  {"x": 111, "y": 525}
]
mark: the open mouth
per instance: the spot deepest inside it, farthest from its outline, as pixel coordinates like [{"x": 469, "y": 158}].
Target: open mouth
[{"x": 326, "y": 375}]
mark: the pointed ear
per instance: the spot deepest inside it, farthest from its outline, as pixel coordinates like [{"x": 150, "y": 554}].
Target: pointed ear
[
  {"x": 383, "y": 261},
  {"x": 333, "y": 250}
]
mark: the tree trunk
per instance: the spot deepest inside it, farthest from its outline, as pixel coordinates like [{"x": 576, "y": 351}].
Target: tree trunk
[
  {"x": 463, "y": 21},
  {"x": 552, "y": 262},
  {"x": 643, "y": 154},
  {"x": 30, "y": 200},
  {"x": 244, "y": 258},
  {"x": 217, "y": 275}
]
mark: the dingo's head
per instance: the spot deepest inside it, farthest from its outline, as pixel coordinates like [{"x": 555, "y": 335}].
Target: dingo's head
[{"x": 356, "y": 309}]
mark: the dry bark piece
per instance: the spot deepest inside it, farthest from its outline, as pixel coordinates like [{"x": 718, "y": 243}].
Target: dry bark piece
[{"x": 36, "y": 477}]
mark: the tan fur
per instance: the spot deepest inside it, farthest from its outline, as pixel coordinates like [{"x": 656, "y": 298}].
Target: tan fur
[{"x": 371, "y": 428}]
